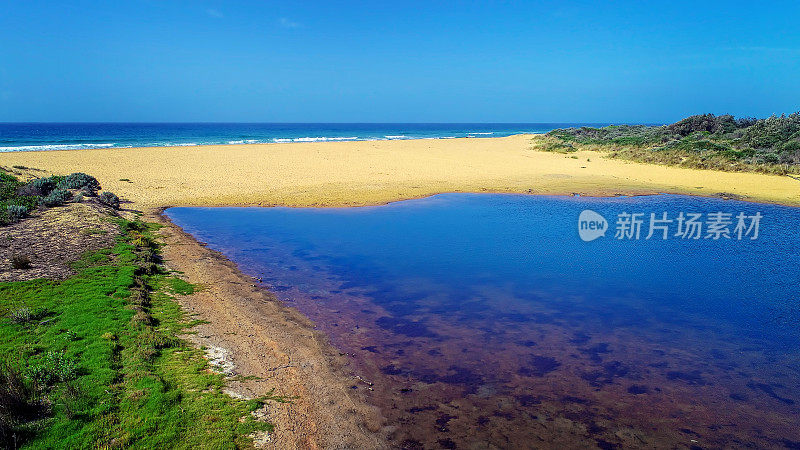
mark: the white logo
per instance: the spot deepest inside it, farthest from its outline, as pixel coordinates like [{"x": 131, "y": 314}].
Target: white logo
[
  {"x": 591, "y": 225},
  {"x": 690, "y": 226}
]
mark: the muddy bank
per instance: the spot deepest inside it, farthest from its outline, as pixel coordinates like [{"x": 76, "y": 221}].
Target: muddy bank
[{"x": 268, "y": 348}]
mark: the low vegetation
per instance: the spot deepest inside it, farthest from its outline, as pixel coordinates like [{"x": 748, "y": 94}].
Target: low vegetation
[
  {"x": 18, "y": 199},
  {"x": 770, "y": 145},
  {"x": 96, "y": 360},
  {"x": 109, "y": 199}
]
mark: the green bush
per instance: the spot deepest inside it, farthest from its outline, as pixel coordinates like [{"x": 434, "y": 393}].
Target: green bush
[
  {"x": 38, "y": 187},
  {"x": 22, "y": 315},
  {"x": 10, "y": 189},
  {"x": 53, "y": 368},
  {"x": 791, "y": 146},
  {"x": 80, "y": 180},
  {"x": 15, "y": 213},
  {"x": 57, "y": 197},
  {"x": 771, "y": 158},
  {"x": 110, "y": 199},
  {"x": 769, "y": 145},
  {"x": 19, "y": 403},
  {"x": 8, "y": 186}
]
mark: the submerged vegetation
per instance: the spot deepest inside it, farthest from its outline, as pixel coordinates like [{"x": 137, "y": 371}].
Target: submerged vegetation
[
  {"x": 96, "y": 360},
  {"x": 770, "y": 145}
]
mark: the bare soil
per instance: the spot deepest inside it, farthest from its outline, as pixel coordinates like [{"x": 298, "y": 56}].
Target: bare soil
[{"x": 54, "y": 238}]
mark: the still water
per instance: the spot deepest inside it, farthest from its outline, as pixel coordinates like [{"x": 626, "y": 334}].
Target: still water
[{"x": 484, "y": 321}]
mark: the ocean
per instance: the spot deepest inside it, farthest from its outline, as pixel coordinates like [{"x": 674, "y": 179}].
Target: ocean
[{"x": 73, "y": 136}]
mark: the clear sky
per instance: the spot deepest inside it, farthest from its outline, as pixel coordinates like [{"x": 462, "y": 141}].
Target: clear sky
[{"x": 403, "y": 61}]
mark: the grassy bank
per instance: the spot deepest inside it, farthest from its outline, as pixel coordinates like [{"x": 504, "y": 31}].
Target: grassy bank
[
  {"x": 95, "y": 360},
  {"x": 769, "y": 145}
]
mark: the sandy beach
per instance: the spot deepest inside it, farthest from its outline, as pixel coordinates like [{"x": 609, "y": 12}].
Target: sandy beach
[
  {"x": 261, "y": 337},
  {"x": 373, "y": 172}
]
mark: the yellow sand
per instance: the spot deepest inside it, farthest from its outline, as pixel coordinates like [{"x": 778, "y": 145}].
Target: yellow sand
[{"x": 371, "y": 172}]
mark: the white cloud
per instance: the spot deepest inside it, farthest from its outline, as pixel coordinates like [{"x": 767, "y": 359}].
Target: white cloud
[
  {"x": 287, "y": 23},
  {"x": 214, "y": 13}
]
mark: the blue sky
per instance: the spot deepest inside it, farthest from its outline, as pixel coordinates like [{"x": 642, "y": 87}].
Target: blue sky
[{"x": 409, "y": 61}]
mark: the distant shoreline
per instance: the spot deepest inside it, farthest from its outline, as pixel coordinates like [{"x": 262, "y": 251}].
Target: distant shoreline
[
  {"x": 310, "y": 140},
  {"x": 80, "y": 136}
]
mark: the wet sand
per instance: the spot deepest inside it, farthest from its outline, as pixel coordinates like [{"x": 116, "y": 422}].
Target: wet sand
[{"x": 263, "y": 338}]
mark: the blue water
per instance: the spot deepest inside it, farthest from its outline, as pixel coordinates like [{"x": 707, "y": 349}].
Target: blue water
[
  {"x": 65, "y": 136},
  {"x": 489, "y": 313}
]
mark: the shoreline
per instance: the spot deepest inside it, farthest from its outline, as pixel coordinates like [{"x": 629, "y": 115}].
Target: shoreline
[
  {"x": 228, "y": 144},
  {"x": 719, "y": 196}
]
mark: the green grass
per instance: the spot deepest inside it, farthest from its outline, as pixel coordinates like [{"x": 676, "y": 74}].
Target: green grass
[
  {"x": 181, "y": 287},
  {"x": 126, "y": 379}
]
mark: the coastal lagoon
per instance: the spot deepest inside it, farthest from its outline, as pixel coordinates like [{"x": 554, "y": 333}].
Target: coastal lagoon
[{"x": 480, "y": 320}]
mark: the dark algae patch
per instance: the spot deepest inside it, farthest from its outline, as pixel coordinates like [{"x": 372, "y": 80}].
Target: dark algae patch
[
  {"x": 539, "y": 366},
  {"x": 637, "y": 389},
  {"x": 770, "y": 391},
  {"x": 483, "y": 321},
  {"x": 405, "y": 327}
]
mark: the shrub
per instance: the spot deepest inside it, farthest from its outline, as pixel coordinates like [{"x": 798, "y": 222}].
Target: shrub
[
  {"x": 88, "y": 192},
  {"x": 22, "y": 315},
  {"x": 53, "y": 368},
  {"x": 20, "y": 262},
  {"x": 78, "y": 198},
  {"x": 15, "y": 213},
  {"x": 57, "y": 197},
  {"x": 110, "y": 199},
  {"x": 39, "y": 187},
  {"x": 791, "y": 146},
  {"x": 19, "y": 403},
  {"x": 8, "y": 186},
  {"x": 80, "y": 180},
  {"x": 702, "y": 141}
]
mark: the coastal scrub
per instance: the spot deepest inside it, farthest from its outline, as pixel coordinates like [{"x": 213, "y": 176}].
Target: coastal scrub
[{"x": 770, "y": 145}]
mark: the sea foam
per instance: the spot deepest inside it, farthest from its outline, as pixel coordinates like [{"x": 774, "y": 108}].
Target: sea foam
[
  {"x": 317, "y": 139},
  {"x": 33, "y": 148}
]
